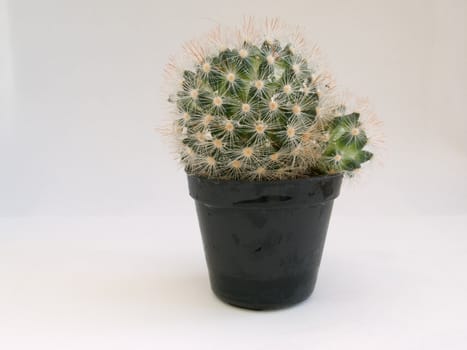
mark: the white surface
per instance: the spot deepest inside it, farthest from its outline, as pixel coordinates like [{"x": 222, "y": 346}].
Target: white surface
[
  {"x": 84, "y": 78},
  {"x": 141, "y": 283}
]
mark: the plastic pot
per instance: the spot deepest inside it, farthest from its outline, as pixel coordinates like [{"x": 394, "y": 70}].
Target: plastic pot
[{"x": 263, "y": 241}]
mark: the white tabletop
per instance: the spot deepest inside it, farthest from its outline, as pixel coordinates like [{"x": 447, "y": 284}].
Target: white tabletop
[{"x": 141, "y": 283}]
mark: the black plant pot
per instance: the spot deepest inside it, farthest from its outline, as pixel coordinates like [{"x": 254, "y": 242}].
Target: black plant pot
[{"x": 263, "y": 241}]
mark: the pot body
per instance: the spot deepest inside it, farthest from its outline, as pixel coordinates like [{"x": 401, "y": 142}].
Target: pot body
[{"x": 263, "y": 241}]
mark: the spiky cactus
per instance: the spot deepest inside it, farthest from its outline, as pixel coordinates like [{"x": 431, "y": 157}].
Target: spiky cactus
[{"x": 260, "y": 110}]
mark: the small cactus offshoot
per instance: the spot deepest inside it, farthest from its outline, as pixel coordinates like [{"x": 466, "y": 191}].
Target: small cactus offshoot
[{"x": 261, "y": 109}]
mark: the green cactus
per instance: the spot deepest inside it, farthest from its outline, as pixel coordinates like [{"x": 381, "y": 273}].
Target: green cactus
[
  {"x": 344, "y": 149},
  {"x": 256, "y": 112}
]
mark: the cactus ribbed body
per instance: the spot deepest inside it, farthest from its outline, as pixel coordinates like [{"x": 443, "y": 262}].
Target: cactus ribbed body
[{"x": 254, "y": 112}]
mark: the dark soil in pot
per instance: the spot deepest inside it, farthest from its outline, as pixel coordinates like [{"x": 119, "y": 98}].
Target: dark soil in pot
[{"x": 263, "y": 241}]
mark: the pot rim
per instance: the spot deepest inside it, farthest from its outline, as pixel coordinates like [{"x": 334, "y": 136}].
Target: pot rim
[
  {"x": 260, "y": 194},
  {"x": 265, "y": 182}
]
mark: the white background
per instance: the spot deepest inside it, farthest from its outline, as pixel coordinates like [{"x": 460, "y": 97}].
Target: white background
[{"x": 99, "y": 244}]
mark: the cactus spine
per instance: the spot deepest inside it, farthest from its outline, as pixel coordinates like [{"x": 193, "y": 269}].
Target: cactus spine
[{"x": 260, "y": 111}]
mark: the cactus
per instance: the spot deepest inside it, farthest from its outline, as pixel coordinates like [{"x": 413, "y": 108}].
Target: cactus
[{"x": 260, "y": 110}]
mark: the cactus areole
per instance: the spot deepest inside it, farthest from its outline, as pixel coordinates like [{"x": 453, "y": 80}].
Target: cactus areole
[{"x": 265, "y": 141}]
